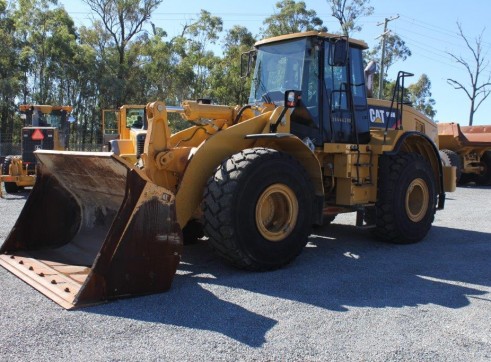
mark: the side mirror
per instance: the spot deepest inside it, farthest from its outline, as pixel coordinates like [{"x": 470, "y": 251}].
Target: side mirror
[
  {"x": 338, "y": 55},
  {"x": 292, "y": 98},
  {"x": 246, "y": 62}
]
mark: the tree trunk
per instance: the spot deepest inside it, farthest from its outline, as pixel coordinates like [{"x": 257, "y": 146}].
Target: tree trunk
[{"x": 471, "y": 114}]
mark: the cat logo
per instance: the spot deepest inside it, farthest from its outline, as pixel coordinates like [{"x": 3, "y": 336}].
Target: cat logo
[
  {"x": 377, "y": 116},
  {"x": 378, "y": 120},
  {"x": 380, "y": 116}
]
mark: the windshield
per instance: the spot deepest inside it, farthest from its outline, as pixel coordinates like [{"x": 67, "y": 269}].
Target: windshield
[
  {"x": 135, "y": 117},
  {"x": 279, "y": 67},
  {"x": 53, "y": 119}
]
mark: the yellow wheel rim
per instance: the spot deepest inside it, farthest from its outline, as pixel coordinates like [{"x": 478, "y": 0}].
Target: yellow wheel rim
[
  {"x": 276, "y": 212},
  {"x": 417, "y": 200}
]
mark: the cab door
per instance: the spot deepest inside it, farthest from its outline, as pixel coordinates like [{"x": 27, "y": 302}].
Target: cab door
[
  {"x": 110, "y": 126},
  {"x": 345, "y": 116}
]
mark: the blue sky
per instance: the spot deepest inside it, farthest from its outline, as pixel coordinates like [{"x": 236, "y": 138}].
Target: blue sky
[{"x": 428, "y": 27}]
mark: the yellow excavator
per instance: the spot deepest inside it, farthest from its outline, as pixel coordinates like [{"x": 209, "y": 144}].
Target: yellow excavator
[{"x": 306, "y": 147}]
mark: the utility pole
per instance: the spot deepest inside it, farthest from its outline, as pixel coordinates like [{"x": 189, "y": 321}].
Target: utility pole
[{"x": 381, "y": 75}]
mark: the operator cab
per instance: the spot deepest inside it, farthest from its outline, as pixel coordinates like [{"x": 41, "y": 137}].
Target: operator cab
[{"x": 328, "y": 70}]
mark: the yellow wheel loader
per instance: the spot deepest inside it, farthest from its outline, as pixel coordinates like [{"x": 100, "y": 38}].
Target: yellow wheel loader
[
  {"x": 258, "y": 177},
  {"x": 124, "y": 131},
  {"x": 45, "y": 127}
]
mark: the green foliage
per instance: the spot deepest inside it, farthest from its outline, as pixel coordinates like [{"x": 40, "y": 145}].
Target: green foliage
[
  {"x": 122, "y": 58},
  {"x": 420, "y": 96},
  {"x": 347, "y": 12},
  {"x": 47, "y": 39},
  {"x": 10, "y": 75},
  {"x": 199, "y": 35},
  {"x": 417, "y": 94},
  {"x": 121, "y": 22},
  {"x": 226, "y": 84},
  {"x": 293, "y": 17},
  {"x": 395, "y": 50}
]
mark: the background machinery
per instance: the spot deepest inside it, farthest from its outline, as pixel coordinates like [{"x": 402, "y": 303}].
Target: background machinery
[
  {"x": 124, "y": 131},
  {"x": 257, "y": 177},
  {"x": 468, "y": 148},
  {"x": 45, "y": 127}
]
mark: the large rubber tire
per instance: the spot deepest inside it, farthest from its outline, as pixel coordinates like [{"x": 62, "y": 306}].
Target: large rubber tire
[
  {"x": 454, "y": 159},
  {"x": 258, "y": 209},
  {"x": 484, "y": 179},
  {"x": 406, "y": 203},
  {"x": 10, "y": 187}
]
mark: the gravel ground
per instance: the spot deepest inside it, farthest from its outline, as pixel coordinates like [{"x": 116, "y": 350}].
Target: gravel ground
[{"x": 346, "y": 298}]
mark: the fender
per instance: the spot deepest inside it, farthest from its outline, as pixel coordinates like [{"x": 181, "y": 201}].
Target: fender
[
  {"x": 205, "y": 158},
  {"x": 413, "y": 141},
  {"x": 295, "y": 147},
  {"x": 223, "y": 144}
]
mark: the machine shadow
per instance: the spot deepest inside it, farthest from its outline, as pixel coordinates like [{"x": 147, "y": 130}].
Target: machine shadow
[{"x": 340, "y": 268}]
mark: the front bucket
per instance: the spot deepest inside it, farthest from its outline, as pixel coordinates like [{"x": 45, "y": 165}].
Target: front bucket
[{"x": 93, "y": 228}]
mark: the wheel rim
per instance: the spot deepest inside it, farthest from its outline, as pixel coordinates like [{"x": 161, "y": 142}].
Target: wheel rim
[
  {"x": 417, "y": 197},
  {"x": 276, "y": 212}
]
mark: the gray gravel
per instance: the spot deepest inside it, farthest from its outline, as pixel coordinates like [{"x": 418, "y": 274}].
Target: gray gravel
[{"x": 346, "y": 298}]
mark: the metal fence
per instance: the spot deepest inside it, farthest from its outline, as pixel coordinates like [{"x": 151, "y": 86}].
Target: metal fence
[{"x": 9, "y": 146}]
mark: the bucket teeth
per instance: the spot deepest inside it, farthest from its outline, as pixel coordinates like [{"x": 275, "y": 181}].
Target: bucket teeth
[{"x": 112, "y": 232}]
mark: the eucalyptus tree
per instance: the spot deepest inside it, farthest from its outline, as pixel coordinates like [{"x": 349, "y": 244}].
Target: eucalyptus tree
[
  {"x": 90, "y": 86},
  {"x": 395, "y": 50},
  {"x": 9, "y": 69},
  {"x": 161, "y": 65},
  {"x": 347, "y": 12},
  {"x": 227, "y": 86},
  {"x": 293, "y": 17},
  {"x": 123, "y": 21},
  {"x": 420, "y": 96},
  {"x": 47, "y": 39},
  {"x": 100, "y": 64},
  {"x": 196, "y": 39}
]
